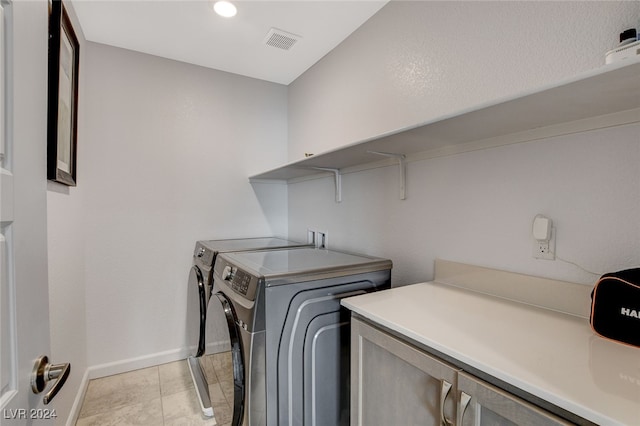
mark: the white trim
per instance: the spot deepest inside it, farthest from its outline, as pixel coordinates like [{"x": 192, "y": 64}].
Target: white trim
[
  {"x": 77, "y": 403},
  {"x": 145, "y": 361},
  {"x": 131, "y": 364}
]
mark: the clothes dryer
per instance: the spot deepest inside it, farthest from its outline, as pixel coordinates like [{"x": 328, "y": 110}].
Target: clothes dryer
[
  {"x": 199, "y": 290},
  {"x": 288, "y": 334}
]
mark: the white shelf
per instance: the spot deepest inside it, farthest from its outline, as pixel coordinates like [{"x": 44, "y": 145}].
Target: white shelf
[{"x": 599, "y": 98}]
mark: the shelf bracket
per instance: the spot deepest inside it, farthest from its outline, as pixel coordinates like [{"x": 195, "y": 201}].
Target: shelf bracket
[
  {"x": 402, "y": 167},
  {"x": 337, "y": 178}
]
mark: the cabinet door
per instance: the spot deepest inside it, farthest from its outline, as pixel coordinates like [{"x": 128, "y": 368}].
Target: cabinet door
[
  {"x": 393, "y": 383},
  {"x": 480, "y": 403}
]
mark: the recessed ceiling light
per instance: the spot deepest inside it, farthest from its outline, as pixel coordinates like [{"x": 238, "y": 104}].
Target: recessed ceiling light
[{"x": 225, "y": 8}]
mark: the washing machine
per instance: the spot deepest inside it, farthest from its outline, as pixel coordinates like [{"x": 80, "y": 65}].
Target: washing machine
[
  {"x": 288, "y": 334},
  {"x": 200, "y": 285}
]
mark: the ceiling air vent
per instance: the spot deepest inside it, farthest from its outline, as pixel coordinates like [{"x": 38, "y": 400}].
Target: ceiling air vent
[{"x": 281, "y": 39}]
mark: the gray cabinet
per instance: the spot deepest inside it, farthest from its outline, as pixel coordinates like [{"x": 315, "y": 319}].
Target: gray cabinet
[
  {"x": 480, "y": 403},
  {"x": 393, "y": 383}
]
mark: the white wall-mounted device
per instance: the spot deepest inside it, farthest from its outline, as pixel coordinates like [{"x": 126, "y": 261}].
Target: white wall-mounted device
[
  {"x": 542, "y": 228},
  {"x": 544, "y": 238},
  {"x": 631, "y": 50}
]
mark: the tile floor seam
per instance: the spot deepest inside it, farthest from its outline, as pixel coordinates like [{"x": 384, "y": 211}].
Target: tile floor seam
[{"x": 161, "y": 399}]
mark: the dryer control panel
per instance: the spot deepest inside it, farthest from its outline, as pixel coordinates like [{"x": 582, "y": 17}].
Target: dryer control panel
[
  {"x": 241, "y": 287},
  {"x": 237, "y": 279}
]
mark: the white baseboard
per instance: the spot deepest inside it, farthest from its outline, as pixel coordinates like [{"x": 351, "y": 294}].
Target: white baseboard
[
  {"x": 77, "y": 403},
  {"x": 126, "y": 365},
  {"x": 151, "y": 360}
]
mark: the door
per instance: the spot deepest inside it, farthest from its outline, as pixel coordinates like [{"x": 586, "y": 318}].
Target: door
[
  {"x": 24, "y": 301},
  {"x": 198, "y": 298},
  {"x": 217, "y": 367},
  {"x": 393, "y": 383},
  {"x": 198, "y": 294},
  {"x": 221, "y": 311},
  {"x": 480, "y": 403}
]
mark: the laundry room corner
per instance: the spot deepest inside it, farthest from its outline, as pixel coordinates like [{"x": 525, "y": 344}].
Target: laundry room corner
[{"x": 273, "y": 200}]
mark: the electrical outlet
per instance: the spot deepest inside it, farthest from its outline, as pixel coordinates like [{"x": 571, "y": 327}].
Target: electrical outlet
[
  {"x": 322, "y": 239},
  {"x": 311, "y": 236},
  {"x": 545, "y": 249},
  {"x": 319, "y": 239}
]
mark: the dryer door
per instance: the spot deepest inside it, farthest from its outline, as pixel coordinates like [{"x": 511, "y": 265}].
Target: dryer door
[
  {"x": 197, "y": 298},
  {"x": 223, "y": 363}
]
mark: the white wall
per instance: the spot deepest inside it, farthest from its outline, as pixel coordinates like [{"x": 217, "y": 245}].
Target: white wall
[
  {"x": 165, "y": 156},
  {"x": 418, "y": 60},
  {"x": 67, "y": 306},
  {"x": 65, "y": 251},
  {"x": 414, "y": 61}
]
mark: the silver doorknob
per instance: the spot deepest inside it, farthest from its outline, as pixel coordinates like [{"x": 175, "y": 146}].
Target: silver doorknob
[{"x": 44, "y": 372}]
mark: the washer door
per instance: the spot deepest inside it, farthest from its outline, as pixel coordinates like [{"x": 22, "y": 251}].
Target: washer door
[
  {"x": 198, "y": 297},
  {"x": 224, "y": 353}
]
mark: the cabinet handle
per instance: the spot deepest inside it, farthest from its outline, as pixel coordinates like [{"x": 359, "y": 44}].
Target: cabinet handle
[
  {"x": 444, "y": 391},
  {"x": 462, "y": 407}
]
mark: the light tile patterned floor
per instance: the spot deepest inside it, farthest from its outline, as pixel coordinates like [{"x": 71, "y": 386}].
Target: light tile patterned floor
[{"x": 159, "y": 396}]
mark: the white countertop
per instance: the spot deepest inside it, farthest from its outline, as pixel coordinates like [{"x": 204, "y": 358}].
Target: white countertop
[{"x": 551, "y": 355}]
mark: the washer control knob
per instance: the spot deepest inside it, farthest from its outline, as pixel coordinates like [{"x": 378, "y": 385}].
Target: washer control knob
[
  {"x": 227, "y": 273},
  {"x": 200, "y": 252}
]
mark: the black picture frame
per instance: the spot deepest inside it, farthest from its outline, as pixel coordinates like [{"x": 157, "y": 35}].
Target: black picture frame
[{"x": 62, "y": 108}]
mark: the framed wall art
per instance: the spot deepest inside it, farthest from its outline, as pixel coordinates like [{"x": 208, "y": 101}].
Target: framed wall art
[{"x": 62, "y": 110}]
